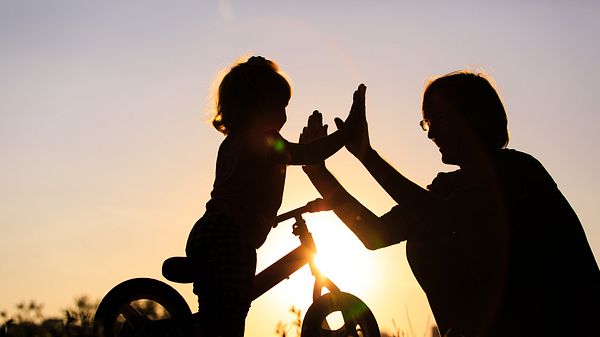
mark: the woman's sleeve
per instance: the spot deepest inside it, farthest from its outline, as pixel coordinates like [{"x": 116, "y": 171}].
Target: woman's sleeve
[
  {"x": 373, "y": 231},
  {"x": 396, "y": 226}
]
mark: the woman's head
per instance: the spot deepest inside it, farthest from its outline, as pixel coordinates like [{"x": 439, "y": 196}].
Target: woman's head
[
  {"x": 251, "y": 92},
  {"x": 465, "y": 102}
]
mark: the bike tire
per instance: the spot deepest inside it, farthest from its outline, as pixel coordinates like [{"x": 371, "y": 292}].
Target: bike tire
[
  {"x": 358, "y": 320},
  {"x": 112, "y": 314}
]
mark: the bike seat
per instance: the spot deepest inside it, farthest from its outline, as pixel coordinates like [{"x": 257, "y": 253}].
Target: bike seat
[{"x": 180, "y": 269}]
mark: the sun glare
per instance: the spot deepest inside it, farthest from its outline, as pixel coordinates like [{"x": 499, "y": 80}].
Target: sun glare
[{"x": 341, "y": 256}]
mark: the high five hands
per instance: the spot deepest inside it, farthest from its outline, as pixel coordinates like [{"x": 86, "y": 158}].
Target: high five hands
[{"x": 355, "y": 127}]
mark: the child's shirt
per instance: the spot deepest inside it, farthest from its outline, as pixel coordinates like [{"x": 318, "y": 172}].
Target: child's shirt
[{"x": 249, "y": 181}]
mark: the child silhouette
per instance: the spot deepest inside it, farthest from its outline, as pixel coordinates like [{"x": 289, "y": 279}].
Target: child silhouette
[{"x": 247, "y": 191}]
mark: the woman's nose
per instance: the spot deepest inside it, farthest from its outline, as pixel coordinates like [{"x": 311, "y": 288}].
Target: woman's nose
[{"x": 430, "y": 133}]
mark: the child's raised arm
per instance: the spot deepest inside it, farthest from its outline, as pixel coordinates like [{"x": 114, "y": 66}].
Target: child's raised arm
[{"x": 315, "y": 152}]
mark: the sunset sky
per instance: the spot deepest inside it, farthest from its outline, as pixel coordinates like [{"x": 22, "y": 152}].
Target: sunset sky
[{"x": 107, "y": 156}]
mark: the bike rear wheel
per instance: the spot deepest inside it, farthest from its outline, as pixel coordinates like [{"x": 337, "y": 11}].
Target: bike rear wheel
[
  {"x": 337, "y": 315},
  {"x": 142, "y": 307}
]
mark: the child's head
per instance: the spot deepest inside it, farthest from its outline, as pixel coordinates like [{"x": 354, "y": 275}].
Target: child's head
[{"x": 251, "y": 92}]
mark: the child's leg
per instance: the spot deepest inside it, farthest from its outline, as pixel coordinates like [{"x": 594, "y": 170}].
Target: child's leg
[
  {"x": 225, "y": 290},
  {"x": 222, "y": 315}
]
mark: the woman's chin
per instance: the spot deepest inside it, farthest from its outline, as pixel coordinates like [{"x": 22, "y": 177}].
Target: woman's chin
[{"x": 448, "y": 158}]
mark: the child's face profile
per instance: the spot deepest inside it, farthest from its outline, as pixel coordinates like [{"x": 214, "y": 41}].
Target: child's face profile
[{"x": 275, "y": 114}]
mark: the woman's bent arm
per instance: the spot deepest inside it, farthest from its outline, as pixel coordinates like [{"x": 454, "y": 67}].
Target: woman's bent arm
[
  {"x": 422, "y": 205},
  {"x": 372, "y": 230}
]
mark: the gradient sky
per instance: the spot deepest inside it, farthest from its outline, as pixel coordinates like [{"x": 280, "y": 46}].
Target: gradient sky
[{"x": 107, "y": 158}]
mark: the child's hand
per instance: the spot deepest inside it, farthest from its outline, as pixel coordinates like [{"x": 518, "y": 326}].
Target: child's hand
[{"x": 314, "y": 128}]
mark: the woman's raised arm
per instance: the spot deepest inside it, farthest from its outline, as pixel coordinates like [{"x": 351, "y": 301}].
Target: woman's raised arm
[
  {"x": 372, "y": 230},
  {"x": 422, "y": 205}
]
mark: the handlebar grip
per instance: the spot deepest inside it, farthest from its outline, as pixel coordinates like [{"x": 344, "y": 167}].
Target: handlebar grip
[{"x": 317, "y": 205}]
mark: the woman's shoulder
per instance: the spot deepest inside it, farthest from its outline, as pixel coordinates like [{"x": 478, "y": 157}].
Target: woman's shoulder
[
  {"x": 523, "y": 172},
  {"x": 518, "y": 157},
  {"x": 517, "y": 163},
  {"x": 511, "y": 166},
  {"x": 446, "y": 183}
]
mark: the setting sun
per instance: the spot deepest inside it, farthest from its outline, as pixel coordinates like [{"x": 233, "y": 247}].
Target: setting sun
[{"x": 341, "y": 256}]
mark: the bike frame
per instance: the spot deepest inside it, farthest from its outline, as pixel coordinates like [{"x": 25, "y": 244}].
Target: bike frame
[
  {"x": 118, "y": 300},
  {"x": 294, "y": 260}
]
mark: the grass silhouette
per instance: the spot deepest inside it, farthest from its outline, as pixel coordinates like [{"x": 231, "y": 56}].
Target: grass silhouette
[{"x": 77, "y": 321}]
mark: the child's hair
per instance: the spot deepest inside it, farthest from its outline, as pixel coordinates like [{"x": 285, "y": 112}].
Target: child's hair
[
  {"x": 478, "y": 103},
  {"x": 245, "y": 89}
]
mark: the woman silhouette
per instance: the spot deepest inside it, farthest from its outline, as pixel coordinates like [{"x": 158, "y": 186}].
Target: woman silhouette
[{"x": 496, "y": 247}]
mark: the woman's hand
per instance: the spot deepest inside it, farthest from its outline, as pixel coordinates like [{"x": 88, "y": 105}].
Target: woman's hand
[
  {"x": 356, "y": 127},
  {"x": 313, "y": 130}
]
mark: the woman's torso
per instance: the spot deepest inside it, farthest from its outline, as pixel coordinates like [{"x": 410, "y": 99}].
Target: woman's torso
[{"x": 497, "y": 267}]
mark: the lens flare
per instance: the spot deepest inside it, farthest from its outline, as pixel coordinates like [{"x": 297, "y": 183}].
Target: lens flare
[
  {"x": 226, "y": 10},
  {"x": 276, "y": 143}
]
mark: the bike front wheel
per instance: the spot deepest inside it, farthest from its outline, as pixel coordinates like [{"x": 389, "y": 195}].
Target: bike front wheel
[
  {"x": 339, "y": 314},
  {"x": 142, "y": 307}
]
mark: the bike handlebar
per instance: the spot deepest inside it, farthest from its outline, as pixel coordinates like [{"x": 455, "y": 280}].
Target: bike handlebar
[{"x": 317, "y": 205}]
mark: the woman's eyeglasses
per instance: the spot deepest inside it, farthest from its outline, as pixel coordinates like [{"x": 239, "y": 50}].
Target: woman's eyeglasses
[
  {"x": 440, "y": 119},
  {"x": 425, "y": 124}
]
